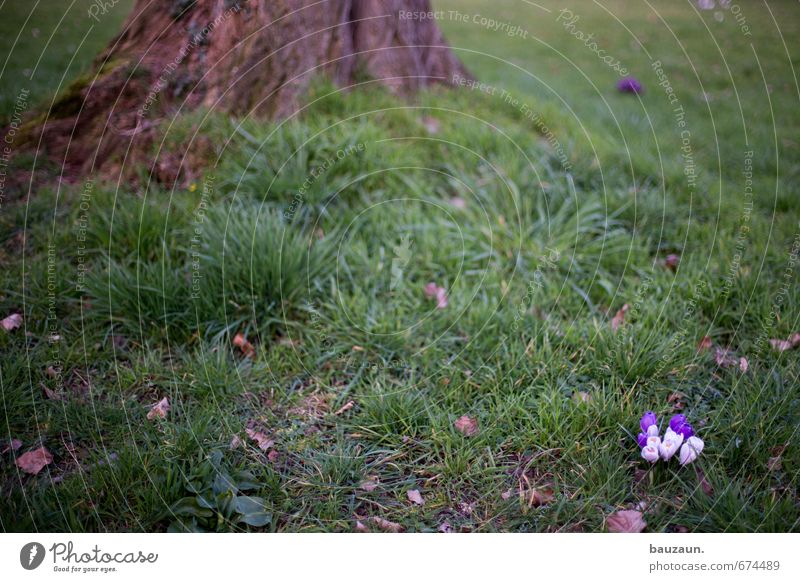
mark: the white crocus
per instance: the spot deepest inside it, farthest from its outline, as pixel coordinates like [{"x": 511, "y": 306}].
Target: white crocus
[
  {"x": 673, "y": 436},
  {"x": 691, "y": 449},
  {"x": 652, "y": 430},
  {"x": 653, "y": 441},
  {"x": 650, "y": 454},
  {"x": 667, "y": 448}
]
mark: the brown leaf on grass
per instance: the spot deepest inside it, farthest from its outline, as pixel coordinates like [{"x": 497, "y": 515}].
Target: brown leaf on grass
[
  {"x": 506, "y": 495},
  {"x": 414, "y": 496},
  {"x": 626, "y": 521},
  {"x": 12, "y": 446},
  {"x": 432, "y": 125},
  {"x": 51, "y": 394},
  {"x": 236, "y": 442},
  {"x": 345, "y": 408},
  {"x": 707, "y": 488},
  {"x": 445, "y": 527},
  {"x": 52, "y": 372},
  {"x": 639, "y": 475},
  {"x": 671, "y": 262},
  {"x": 458, "y": 202},
  {"x": 386, "y": 525},
  {"x": 780, "y": 345},
  {"x": 725, "y": 358},
  {"x": 361, "y": 528},
  {"x": 11, "y": 322},
  {"x": 247, "y": 348},
  {"x": 370, "y": 484},
  {"x": 675, "y": 399},
  {"x": 774, "y": 464},
  {"x": 273, "y": 455},
  {"x": 159, "y": 409},
  {"x": 263, "y": 441},
  {"x": 619, "y": 318},
  {"x": 705, "y": 344},
  {"x": 541, "y": 496},
  {"x": 744, "y": 365},
  {"x": 582, "y": 397},
  {"x": 467, "y": 426},
  {"x": 34, "y": 461}
]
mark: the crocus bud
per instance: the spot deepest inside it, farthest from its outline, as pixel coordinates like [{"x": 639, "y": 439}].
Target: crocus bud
[
  {"x": 652, "y": 430},
  {"x": 676, "y": 421},
  {"x": 679, "y": 424},
  {"x": 691, "y": 449},
  {"x": 650, "y": 454},
  {"x": 648, "y": 419},
  {"x": 668, "y": 448},
  {"x": 642, "y": 439}
]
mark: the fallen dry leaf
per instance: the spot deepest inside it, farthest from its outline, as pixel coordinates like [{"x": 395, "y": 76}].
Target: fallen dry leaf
[
  {"x": 707, "y": 488},
  {"x": 386, "y": 525},
  {"x": 12, "y": 446},
  {"x": 159, "y": 409},
  {"x": 345, "y": 408},
  {"x": 414, "y": 496},
  {"x": 705, "y": 344},
  {"x": 369, "y": 484},
  {"x": 774, "y": 464},
  {"x": 247, "y": 348},
  {"x": 432, "y": 125},
  {"x": 541, "y": 496},
  {"x": 626, "y": 521},
  {"x": 787, "y": 344},
  {"x": 675, "y": 399},
  {"x": 51, "y": 394},
  {"x": 458, "y": 202},
  {"x": 619, "y": 318},
  {"x": 744, "y": 365},
  {"x": 671, "y": 262},
  {"x": 272, "y": 456},
  {"x": 11, "y": 322},
  {"x": 34, "y": 461},
  {"x": 780, "y": 345},
  {"x": 236, "y": 442},
  {"x": 361, "y": 528},
  {"x": 467, "y": 426},
  {"x": 506, "y": 495},
  {"x": 445, "y": 527},
  {"x": 725, "y": 358},
  {"x": 582, "y": 397},
  {"x": 263, "y": 441}
]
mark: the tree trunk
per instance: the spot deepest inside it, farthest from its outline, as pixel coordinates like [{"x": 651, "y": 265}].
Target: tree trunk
[{"x": 246, "y": 57}]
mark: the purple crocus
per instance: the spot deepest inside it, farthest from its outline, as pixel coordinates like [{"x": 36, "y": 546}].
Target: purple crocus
[
  {"x": 649, "y": 418},
  {"x": 629, "y": 85},
  {"x": 680, "y": 425}
]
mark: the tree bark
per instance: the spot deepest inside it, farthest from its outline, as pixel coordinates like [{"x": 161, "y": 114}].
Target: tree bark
[{"x": 246, "y": 57}]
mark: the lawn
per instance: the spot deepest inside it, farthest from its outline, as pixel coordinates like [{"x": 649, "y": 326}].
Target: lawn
[{"x": 600, "y": 254}]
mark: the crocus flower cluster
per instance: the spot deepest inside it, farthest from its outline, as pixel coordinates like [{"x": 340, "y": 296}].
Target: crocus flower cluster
[{"x": 678, "y": 438}]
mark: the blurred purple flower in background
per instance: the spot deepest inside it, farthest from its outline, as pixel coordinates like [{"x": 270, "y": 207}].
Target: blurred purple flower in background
[{"x": 629, "y": 85}]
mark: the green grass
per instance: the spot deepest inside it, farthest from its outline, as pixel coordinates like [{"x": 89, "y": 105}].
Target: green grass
[{"x": 559, "y": 230}]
